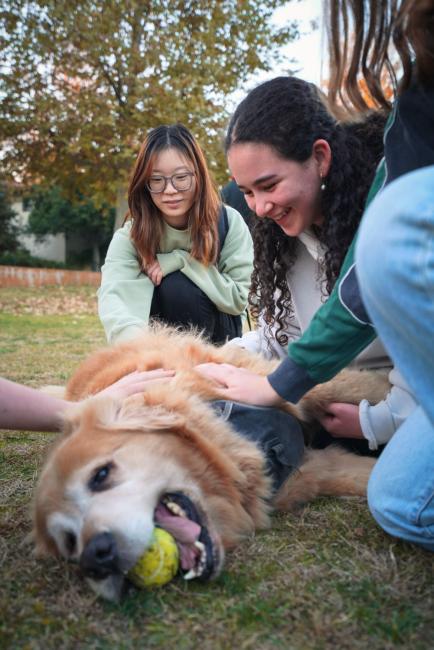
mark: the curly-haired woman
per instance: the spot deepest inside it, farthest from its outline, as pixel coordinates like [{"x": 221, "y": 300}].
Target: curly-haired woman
[
  {"x": 306, "y": 176},
  {"x": 391, "y": 290}
]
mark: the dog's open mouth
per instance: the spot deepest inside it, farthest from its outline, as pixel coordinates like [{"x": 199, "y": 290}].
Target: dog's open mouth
[
  {"x": 199, "y": 555},
  {"x": 200, "y": 550}
]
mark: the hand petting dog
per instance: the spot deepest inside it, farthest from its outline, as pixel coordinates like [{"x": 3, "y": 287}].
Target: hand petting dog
[
  {"x": 342, "y": 421},
  {"x": 240, "y": 384},
  {"x": 22, "y": 407}
]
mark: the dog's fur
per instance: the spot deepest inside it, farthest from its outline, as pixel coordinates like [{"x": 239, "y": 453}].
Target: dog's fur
[{"x": 169, "y": 440}]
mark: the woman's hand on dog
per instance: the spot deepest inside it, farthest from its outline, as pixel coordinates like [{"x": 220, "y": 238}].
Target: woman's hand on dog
[
  {"x": 136, "y": 382},
  {"x": 342, "y": 421},
  {"x": 240, "y": 385},
  {"x": 42, "y": 412}
]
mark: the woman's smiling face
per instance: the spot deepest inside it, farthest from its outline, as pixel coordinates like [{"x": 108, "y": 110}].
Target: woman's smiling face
[{"x": 285, "y": 191}]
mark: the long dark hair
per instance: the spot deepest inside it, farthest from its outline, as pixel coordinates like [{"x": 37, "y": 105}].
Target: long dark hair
[
  {"x": 289, "y": 115},
  {"x": 360, "y": 34},
  {"x": 147, "y": 226}
]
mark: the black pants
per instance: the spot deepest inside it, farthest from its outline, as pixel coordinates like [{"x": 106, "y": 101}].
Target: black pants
[
  {"x": 178, "y": 301},
  {"x": 322, "y": 439},
  {"x": 277, "y": 434}
]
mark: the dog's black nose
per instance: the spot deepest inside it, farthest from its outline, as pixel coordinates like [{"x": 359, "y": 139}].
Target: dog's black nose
[{"x": 100, "y": 556}]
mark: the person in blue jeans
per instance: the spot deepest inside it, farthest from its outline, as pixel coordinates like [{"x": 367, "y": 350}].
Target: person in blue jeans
[
  {"x": 389, "y": 287},
  {"x": 395, "y": 262}
]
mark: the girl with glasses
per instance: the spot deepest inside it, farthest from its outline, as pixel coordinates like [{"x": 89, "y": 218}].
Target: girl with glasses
[{"x": 181, "y": 257}]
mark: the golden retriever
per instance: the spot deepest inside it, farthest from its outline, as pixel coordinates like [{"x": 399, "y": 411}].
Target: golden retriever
[{"x": 165, "y": 457}]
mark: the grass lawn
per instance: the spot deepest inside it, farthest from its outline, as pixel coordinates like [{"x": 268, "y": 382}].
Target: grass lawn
[{"x": 326, "y": 579}]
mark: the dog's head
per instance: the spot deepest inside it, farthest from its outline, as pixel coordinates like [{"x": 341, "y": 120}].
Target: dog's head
[{"x": 159, "y": 459}]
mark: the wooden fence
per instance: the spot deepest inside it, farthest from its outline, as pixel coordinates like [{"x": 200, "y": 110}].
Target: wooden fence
[{"x": 21, "y": 276}]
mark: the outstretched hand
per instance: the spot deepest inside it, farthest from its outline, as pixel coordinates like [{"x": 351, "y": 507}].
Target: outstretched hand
[
  {"x": 342, "y": 420},
  {"x": 240, "y": 385},
  {"x": 136, "y": 382},
  {"x": 28, "y": 409}
]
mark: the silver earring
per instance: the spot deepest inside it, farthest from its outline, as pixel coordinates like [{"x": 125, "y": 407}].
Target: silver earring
[{"x": 323, "y": 185}]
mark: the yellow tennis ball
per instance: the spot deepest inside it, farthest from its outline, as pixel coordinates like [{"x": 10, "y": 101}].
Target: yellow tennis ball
[{"x": 159, "y": 564}]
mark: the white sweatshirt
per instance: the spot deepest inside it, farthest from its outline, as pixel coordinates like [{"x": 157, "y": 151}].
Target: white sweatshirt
[{"x": 378, "y": 422}]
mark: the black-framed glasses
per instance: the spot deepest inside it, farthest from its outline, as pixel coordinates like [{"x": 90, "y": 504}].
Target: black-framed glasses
[{"x": 181, "y": 182}]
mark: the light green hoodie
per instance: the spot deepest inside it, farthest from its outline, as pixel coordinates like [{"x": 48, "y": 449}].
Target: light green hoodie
[{"x": 125, "y": 295}]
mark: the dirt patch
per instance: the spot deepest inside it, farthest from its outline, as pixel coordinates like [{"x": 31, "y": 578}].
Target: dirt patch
[{"x": 49, "y": 301}]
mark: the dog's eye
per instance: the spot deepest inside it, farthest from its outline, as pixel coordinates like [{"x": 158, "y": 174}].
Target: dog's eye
[{"x": 99, "y": 477}]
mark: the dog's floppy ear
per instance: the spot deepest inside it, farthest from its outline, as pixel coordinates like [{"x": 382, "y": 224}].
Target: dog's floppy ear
[
  {"x": 107, "y": 413},
  {"x": 134, "y": 414},
  {"x": 89, "y": 413}
]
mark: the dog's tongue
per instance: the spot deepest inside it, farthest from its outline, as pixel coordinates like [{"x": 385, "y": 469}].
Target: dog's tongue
[{"x": 185, "y": 532}]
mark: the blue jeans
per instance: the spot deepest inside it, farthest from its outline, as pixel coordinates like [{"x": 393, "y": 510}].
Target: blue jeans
[{"x": 395, "y": 262}]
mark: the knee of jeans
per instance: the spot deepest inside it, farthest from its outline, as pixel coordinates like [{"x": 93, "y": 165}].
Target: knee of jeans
[
  {"x": 374, "y": 266},
  {"x": 378, "y": 500},
  {"x": 369, "y": 256},
  {"x": 388, "y": 509},
  {"x": 397, "y": 514},
  {"x": 385, "y": 226}
]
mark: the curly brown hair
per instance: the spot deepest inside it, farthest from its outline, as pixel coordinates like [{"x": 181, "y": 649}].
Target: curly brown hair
[{"x": 289, "y": 115}]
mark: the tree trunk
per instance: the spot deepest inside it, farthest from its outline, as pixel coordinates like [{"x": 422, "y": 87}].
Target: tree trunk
[
  {"x": 121, "y": 207},
  {"x": 96, "y": 257}
]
